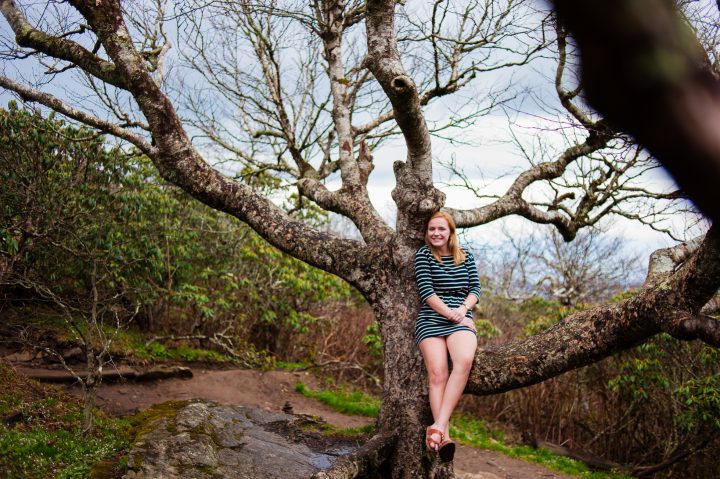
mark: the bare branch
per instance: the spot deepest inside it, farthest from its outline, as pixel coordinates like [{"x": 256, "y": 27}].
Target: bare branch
[
  {"x": 371, "y": 125},
  {"x": 30, "y": 94},
  {"x": 512, "y": 202},
  {"x": 59, "y": 47}
]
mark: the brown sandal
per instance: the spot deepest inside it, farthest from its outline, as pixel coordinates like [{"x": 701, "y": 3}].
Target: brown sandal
[
  {"x": 430, "y": 442},
  {"x": 447, "y": 450}
]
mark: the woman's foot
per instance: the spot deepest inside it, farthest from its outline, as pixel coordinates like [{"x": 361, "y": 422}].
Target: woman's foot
[{"x": 434, "y": 438}]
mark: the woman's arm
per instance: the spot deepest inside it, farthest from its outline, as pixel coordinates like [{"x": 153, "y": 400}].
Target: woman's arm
[
  {"x": 427, "y": 294},
  {"x": 423, "y": 277},
  {"x": 439, "y": 306},
  {"x": 474, "y": 295},
  {"x": 473, "y": 282}
]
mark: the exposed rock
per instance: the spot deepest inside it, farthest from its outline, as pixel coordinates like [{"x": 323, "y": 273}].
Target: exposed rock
[{"x": 208, "y": 440}]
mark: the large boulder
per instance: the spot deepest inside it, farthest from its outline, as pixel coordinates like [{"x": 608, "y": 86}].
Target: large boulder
[{"x": 204, "y": 440}]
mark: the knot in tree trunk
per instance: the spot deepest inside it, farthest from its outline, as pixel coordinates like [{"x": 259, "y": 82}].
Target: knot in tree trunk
[{"x": 402, "y": 84}]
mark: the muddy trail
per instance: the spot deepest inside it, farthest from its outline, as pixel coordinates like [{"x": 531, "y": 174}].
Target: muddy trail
[{"x": 273, "y": 391}]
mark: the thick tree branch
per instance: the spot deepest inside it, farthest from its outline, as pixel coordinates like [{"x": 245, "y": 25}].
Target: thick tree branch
[
  {"x": 179, "y": 163},
  {"x": 353, "y": 199},
  {"x": 512, "y": 202},
  {"x": 57, "y": 47},
  {"x": 331, "y": 16},
  {"x": 588, "y": 336},
  {"x": 664, "y": 262},
  {"x": 363, "y": 215},
  {"x": 415, "y": 195},
  {"x": 644, "y": 69},
  {"x": 687, "y": 328},
  {"x": 383, "y": 61}
]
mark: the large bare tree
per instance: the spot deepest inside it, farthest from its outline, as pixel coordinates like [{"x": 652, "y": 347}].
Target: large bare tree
[{"x": 321, "y": 118}]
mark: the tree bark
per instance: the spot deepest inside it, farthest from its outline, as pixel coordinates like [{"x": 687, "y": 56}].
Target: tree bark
[
  {"x": 405, "y": 410},
  {"x": 365, "y": 461},
  {"x": 405, "y": 407},
  {"x": 90, "y": 386}
]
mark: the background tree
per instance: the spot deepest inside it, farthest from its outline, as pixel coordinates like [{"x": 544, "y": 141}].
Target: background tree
[
  {"x": 644, "y": 410},
  {"x": 58, "y": 181},
  {"x": 456, "y": 43},
  {"x": 591, "y": 269}
]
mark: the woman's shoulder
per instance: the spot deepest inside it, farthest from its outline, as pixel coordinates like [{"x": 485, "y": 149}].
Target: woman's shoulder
[
  {"x": 468, "y": 253},
  {"x": 423, "y": 251}
]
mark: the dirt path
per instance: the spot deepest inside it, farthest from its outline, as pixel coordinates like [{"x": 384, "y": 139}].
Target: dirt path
[{"x": 271, "y": 390}]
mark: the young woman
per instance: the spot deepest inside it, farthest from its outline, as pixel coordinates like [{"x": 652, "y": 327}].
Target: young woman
[{"x": 449, "y": 289}]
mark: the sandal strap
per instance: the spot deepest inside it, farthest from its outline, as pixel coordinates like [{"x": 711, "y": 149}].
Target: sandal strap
[{"x": 432, "y": 431}]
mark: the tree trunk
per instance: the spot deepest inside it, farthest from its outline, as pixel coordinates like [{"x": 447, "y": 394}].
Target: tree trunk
[
  {"x": 7, "y": 267},
  {"x": 91, "y": 383},
  {"x": 405, "y": 409}
]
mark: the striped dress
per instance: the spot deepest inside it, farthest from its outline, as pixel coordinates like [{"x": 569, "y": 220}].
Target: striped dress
[{"x": 451, "y": 283}]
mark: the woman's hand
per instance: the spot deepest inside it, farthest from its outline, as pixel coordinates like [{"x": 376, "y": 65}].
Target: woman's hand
[
  {"x": 469, "y": 323},
  {"x": 456, "y": 315}
]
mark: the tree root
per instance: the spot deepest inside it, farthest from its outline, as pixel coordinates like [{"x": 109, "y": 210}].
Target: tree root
[{"x": 366, "y": 459}]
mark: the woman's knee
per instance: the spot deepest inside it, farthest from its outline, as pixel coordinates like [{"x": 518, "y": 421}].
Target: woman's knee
[
  {"x": 462, "y": 347},
  {"x": 438, "y": 376},
  {"x": 463, "y": 364}
]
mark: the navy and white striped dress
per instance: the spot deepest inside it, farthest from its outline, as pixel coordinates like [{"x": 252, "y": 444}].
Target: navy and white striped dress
[{"x": 451, "y": 283}]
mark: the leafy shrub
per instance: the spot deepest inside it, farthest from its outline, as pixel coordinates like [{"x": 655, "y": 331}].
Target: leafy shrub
[{"x": 185, "y": 268}]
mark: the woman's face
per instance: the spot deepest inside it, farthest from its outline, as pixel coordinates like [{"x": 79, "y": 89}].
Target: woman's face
[{"x": 438, "y": 232}]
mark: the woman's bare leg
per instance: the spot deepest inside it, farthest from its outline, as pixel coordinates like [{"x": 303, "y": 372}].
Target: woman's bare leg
[
  {"x": 462, "y": 346},
  {"x": 435, "y": 355}
]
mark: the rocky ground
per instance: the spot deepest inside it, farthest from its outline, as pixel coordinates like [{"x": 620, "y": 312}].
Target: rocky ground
[
  {"x": 242, "y": 400},
  {"x": 270, "y": 391},
  {"x": 204, "y": 440}
]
